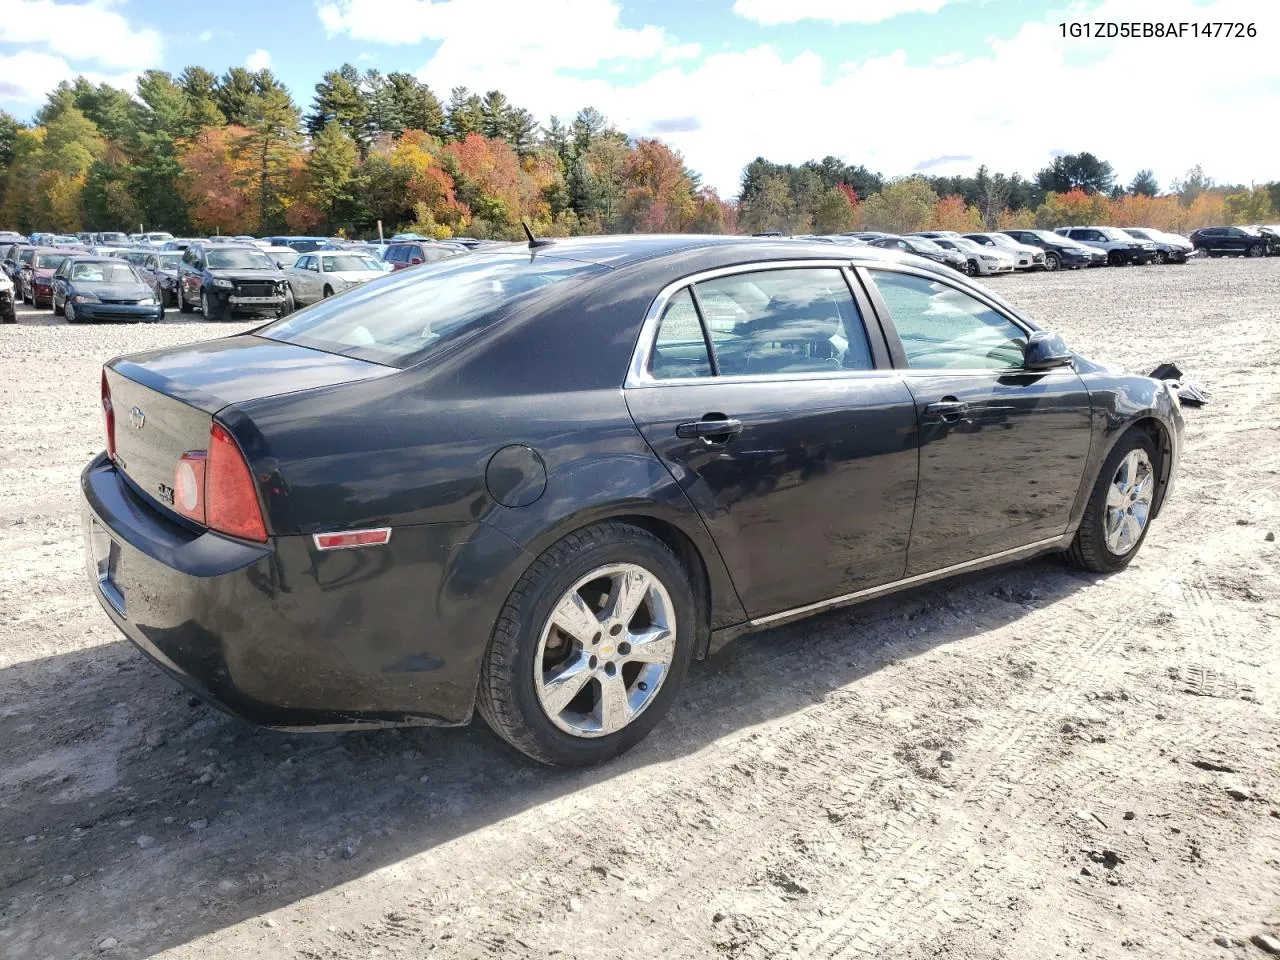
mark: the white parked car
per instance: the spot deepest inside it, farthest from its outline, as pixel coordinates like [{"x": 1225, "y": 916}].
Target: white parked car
[
  {"x": 1028, "y": 257},
  {"x": 983, "y": 261},
  {"x": 318, "y": 275}
]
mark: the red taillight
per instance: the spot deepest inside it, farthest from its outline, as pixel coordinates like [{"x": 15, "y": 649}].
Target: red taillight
[
  {"x": 188, "y": 485},
  {"x": 231, "y": 500},
  {"x": 108, "y": 416}
]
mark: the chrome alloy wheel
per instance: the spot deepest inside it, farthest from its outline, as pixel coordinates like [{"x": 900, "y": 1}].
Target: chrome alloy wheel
[
  {"x": 605, "y": 650},
  {"x": 1129, "y": 502}
]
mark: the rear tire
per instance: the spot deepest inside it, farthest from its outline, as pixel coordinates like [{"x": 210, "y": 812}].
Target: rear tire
[
  {"x": 515, "y": 676},
  {"x": 1111, "y": 507}
]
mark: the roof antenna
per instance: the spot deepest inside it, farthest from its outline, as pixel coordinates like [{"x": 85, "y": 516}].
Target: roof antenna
[{"x": 534, "y": 242}]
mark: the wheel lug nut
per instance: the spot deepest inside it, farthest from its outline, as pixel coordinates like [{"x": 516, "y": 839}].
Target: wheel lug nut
[
  {"x": 642, "y": 686},
  {"x": 624, "y": 648},
  {"x": 615, "y": 629},
  {"x": 595, "y": 639},
  {"x": 592, "y": 663},
  {"x": 610, "y": 669}
]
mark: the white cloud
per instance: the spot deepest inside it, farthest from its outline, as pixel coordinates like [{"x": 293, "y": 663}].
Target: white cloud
[
  {"x": 773, "y": 12},
  {"x": 26, "y": 76},
  {"x": 205, "y": 36},
  {"x": 1165, "y": 104},
  {"x": 258, "y": 60},
  {"x": 95, "y": 31}
]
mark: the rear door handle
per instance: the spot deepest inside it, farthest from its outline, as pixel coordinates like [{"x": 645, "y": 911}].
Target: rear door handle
[
  {"x": 711, "y": 430},
  {"x": 949, "y": 409}
]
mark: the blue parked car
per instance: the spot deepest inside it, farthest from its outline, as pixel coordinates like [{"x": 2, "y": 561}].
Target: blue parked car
[{"x": 103, "y": 288}]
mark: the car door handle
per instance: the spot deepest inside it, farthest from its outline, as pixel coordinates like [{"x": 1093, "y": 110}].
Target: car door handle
[
  {"x": 948, "y": 408},
  {"x": 715, "y": 431}
]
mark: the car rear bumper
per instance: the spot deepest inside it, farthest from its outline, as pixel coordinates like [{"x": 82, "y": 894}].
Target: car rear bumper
[
  {"x": 288, "y": 637},
  {"x": 117, "y": 311}
]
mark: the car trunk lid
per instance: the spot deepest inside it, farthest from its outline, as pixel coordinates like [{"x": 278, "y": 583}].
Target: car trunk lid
[{"x": 164, "y": 401}]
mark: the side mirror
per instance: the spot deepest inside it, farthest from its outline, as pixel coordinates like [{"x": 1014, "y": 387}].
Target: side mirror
[
  {"x": 1045, "y": 351},
  {"x": 415, "y": 261}
]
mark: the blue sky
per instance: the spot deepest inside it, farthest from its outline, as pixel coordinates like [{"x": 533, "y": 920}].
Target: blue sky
[{"x": 900, "y": 85}]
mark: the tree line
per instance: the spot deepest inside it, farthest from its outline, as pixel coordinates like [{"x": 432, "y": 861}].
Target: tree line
[{"x": 203, "y": 153}]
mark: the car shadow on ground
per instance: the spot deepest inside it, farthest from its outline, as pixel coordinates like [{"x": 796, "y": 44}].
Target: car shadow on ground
[{"x": 130, "y": 810}]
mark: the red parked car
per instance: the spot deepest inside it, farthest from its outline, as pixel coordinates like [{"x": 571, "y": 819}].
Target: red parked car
[{"x": 36, "y": 277}]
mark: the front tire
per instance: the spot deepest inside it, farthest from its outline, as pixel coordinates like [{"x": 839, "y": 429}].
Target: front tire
[
  {"x": 1115, "y": 259},
  {"x": 1051, "y": 262},
  {"x": 590, "y": 647},
  {"x": 972, "y": 269},
  {"x": 1161, "y": 257},
  {"x": 69, "y": 312},
  {"x": 183, "y": 306},
  {"x": 1118, "y": 516},
  {"x": 1256, "y": 250},
  {"x": 206, "y": 308}
]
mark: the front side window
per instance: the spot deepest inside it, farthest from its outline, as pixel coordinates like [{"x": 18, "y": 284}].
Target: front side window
[
  {"x": 944, "y": 328},
  {"x": 801, "y": 320},
  {"x": 348, "y": 261}
]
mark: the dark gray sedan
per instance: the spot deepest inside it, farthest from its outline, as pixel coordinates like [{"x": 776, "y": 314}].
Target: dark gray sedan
[{"x": 103, "y": 288}]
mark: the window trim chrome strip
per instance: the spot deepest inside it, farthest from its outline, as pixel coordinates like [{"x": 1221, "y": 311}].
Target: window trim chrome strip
[{"x": 893, "y": 585}]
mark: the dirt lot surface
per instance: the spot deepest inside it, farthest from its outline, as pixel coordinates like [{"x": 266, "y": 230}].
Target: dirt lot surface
[{"x": 1029, "y": 762}]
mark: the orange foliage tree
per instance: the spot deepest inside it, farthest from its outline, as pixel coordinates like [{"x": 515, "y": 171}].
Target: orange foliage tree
[{"x": 216, "y": 182}]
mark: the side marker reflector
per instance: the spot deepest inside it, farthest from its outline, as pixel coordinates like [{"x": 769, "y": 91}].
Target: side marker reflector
[{"x": 352, "y": 538}]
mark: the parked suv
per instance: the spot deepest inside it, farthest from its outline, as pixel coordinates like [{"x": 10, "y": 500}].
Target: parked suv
[
  {"x": 1059, "y": 252},
  {"x": 222, "y": 279},
  {"x": 413, "y": 252},
  {"x": 1233, "y": 241},
  {"x": 1119, "y": 246}
]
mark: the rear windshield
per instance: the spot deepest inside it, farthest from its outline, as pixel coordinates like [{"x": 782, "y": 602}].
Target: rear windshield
[
  {"x": 238, "y": 258},
  {"x": 400, "y": 318}
]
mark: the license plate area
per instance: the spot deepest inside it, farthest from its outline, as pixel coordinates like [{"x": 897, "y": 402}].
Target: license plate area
[
  {"x": 104, "y": 563},
  {"x": 255, "y": 299}
]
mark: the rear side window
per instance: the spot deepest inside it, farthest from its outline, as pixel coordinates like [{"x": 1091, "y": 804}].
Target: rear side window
[
  {"x": 680, "y": 349},
  {"x": 801, "y": 320},
  {"x": 944, "y": 328},
  {"x": 400, "y": 318},
  {"x": 394, "y": 254}
]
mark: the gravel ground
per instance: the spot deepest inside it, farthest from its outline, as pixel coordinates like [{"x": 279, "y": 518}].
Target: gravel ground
[{"x": 1029, "y": 762}]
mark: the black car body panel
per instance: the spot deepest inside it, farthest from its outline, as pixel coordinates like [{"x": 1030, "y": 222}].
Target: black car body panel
[{"x": 483, "y": 454}]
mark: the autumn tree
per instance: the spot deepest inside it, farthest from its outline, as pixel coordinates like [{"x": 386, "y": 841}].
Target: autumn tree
[
  {"x": 216, "y": 182},
  {"x": 272, "y": 139},
  {"x": 833, "y": 213},
  {"x": 952, "y": 213},
  {"x": 904, "y": 206},
  {"x": 1247, "y": 206}
]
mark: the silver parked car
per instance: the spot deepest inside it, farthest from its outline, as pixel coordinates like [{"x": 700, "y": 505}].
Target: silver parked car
[{"x": 322, "y": 274}]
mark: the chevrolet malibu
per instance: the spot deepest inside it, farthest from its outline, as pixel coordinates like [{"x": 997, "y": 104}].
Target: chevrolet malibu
[{"x": 540, "y": 481}]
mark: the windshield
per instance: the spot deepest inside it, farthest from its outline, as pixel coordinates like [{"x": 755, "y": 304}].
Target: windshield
[
  {"x": 342, "y": 262},
  {"x": 924, "y": 243},
  {"x": 397, "y": 319},
  {"x": 170, "y": 261},
  {"x": 1111, "y": 233},
  {"x": 43, "y": 261},
  {"x": 238, "y": 258},
  {"x": 103, "y": 273},
  {"x": 1140, "y": 234},
  {"x": 965, "y": 244}
]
